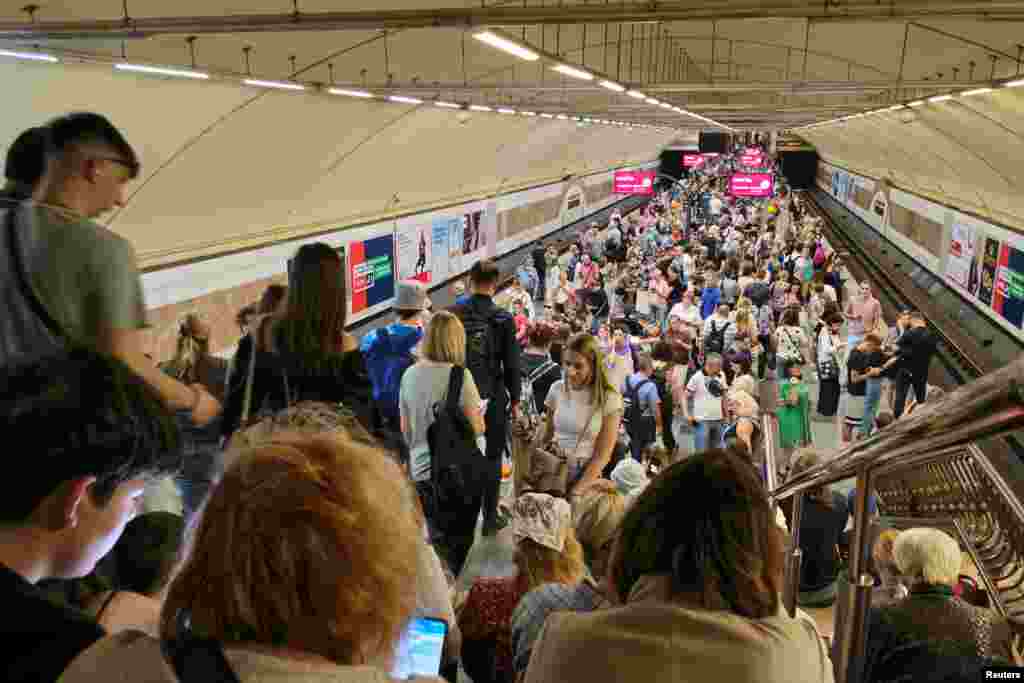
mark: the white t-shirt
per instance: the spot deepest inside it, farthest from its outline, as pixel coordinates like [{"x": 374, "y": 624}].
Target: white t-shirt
[
  {"x": 715, "y": 205},
  {"x": 571, "y": 409},
  {"x": 705, "y": 406}
]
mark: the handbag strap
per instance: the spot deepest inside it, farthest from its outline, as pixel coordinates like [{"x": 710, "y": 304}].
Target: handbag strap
[
  {"x": 23, "y": 282},
  {"x": 587, "y": 425},
  {"x": 455, "y": 379},
  {"x": 250, "y": 373}
]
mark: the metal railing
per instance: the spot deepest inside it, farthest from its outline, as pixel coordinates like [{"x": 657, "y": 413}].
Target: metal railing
[{"x": 925, "y": 467}]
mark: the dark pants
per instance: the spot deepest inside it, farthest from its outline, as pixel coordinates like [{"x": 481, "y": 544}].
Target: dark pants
[
  {"x": 903, "y": 384},
  {"x": 541, "y": 285},
  {"x": 452, "y": 525},
  {"x": 496, "y": 423}
]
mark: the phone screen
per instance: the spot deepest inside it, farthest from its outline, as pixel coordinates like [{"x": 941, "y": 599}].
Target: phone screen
[{"x": 420, "y": 649}]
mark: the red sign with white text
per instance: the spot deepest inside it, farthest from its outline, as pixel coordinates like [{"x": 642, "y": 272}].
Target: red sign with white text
[
  {"x": 752, "y": 185},
  {"x": 634, "y": 182},
  {"x": 752, "y": 159},
  {"x": 692, "y": 160}
]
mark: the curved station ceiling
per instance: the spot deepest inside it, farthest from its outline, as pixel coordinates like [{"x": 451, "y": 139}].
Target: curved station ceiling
[{"x": 262, "y": 119}]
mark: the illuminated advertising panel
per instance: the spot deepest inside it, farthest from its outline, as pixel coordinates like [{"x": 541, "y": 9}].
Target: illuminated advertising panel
[{"x": 752, "y": 185}]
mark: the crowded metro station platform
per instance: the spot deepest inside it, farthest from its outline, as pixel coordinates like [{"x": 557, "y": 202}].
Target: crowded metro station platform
[{"x": 716, "y": 408}]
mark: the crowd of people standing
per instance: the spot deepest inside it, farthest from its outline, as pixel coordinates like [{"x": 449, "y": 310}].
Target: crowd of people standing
[{"x": 332, "y": 486}]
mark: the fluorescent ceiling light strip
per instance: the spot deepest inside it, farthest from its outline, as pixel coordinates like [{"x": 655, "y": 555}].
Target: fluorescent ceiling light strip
[
  {"x": 350, "y": 93},
  {"x": 915, "y": 103},
  {"x": 940, "y": 98},
  {"x": 666, "y": 105},
  {"x": 611, "y": 85},
  {"x": 562, "y": 117},
  {"x": 479, "y": 107},
  {"x": 506, "y": 110},
  {"x": 160, "y": 71},
  {"x": 1014, "y": 84},
  {"x": 404, "y": 100},
  {"x": 976, "y": 91},
  {"x": 896, "y": 108},
  {"x": 651, "y": 100},
  {"x": 528, "y": 113},
  {"x": 448, "y": 105},
  {"x": 280, "y": 85},
  {"x": 30, "y": 56},
  {"x": 567, "y": 70},
  {"x": 506, "y": 45},
  {"x": 547, "y": 115},
  {"x": 637, "y": 94}
]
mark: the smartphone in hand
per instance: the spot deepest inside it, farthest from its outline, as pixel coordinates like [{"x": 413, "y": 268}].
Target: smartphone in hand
[{"x": 420, "y": 650}]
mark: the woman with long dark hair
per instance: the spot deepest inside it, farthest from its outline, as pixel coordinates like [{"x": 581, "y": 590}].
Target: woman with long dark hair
[{"x": 303, "y": 351}]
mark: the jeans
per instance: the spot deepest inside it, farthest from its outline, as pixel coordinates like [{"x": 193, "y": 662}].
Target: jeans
[
  {"x": 679, "y": 429},
  {"x": 658, "y": 314},
  {"x": 707, "y": 434},
  {"x": 873, "y": 396}
]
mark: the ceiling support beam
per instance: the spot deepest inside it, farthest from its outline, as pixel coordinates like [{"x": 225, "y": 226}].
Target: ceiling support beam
[
  {"x": 498, "y": 15},
  {"x": 790, "y": 88}
]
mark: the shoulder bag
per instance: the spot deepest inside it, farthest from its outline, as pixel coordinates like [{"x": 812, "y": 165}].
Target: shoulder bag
[
  {"x": 828, "y": 369},
  {"x": 549, "y": 463}
]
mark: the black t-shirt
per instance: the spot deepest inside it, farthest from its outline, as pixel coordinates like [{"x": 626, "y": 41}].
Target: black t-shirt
[
  {"x": 820, "y": 529},
  {"x": 861, "y": 361},
  {"x": 41, "y": 637}
]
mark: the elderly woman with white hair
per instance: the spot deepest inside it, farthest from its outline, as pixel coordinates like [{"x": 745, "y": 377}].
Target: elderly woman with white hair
[{"x": 932, "y": 635}]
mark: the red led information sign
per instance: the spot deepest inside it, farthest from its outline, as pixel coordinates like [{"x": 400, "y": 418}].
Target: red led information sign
[
  {"x": 634, "y": 182},
  {"x": 692, "y": 160},
  {"x": 751, "y": 185}
]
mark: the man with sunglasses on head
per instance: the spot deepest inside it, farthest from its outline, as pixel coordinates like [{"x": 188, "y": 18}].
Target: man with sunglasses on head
[{"x": 66, "y": 280}]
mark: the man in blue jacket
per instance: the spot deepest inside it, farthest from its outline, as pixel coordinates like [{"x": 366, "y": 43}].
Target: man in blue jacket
[{"x": 389, "y": 350}]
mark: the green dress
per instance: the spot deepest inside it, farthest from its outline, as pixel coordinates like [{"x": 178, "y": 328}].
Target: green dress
[{"x": 794, "y": 425}]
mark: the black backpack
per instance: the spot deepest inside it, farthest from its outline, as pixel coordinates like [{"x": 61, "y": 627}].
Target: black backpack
[
  {"x": 481, "y": 347},
  {"x": 641, "y": 429},
  {"x": 715, "y": 342},
  {"x": 455, "y": 459},
  {"x": 660, "y": 380}
]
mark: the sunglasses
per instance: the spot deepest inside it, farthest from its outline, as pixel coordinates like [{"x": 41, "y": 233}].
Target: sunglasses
[{"x": 133, "y": 169}]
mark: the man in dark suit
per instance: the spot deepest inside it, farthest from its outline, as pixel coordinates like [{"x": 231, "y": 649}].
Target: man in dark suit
[{"x": 916, "y": 346}]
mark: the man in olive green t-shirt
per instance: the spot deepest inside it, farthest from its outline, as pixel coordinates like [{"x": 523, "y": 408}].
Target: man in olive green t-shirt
[{"x": 85, "y": 276}]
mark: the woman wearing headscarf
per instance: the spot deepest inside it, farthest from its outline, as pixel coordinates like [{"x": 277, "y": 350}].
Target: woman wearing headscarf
[{"x": 546, "y": 552}]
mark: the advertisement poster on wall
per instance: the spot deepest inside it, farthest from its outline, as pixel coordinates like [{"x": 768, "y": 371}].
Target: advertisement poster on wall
[
  {"x": 841, "y": 186},
  {"x": 989, "y": 263},
  {"x": 475, "y": 233},
  {"x": 880, "y": 208},
  {"x": 371, "y": 272},
  {"x": 414, "y": 241},
  {"x": 491, "y": 229},
  {"x": 962, "y": 261},
  {"x": 1008, "y": 292},
  {"x": 441, "y": 266}
]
